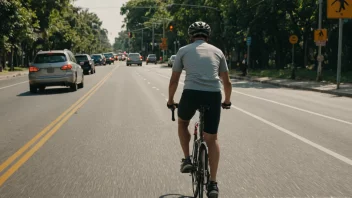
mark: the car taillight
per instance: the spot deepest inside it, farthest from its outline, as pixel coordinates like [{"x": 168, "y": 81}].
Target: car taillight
[
  {"x": 33, "y": 69},
  {"x": 111, "y": 58},
  {"x": 66, "y": 67},
  {"x": 129, "y": 59}
]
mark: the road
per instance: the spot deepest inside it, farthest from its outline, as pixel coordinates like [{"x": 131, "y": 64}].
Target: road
[{"x": 115, "y": 138}]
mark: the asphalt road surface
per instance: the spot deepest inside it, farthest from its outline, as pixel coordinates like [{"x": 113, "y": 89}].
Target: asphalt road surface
[{"x": 115, "y": 138}]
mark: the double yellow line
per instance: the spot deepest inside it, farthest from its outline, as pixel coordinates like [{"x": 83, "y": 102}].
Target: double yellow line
[{"x": 48, "y": 131}]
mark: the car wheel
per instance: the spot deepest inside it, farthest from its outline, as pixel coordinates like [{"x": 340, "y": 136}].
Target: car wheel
[
  {"x": 81, "y": 85},
  {"x": 73, "y": 87},
  {"x": 33, "y": 89},
  {"x": 42, "y": 88}
]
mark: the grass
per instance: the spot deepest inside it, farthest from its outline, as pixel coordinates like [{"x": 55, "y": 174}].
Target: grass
[
  {"x": 301, "y": 74},
  {"x": 16, "y": 69}
]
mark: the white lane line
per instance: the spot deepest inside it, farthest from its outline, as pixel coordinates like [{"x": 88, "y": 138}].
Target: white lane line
[
  {"x": 296, "y": 108},
  {"x": 157, "y": 89},
  {"x": 315, "y": 145},
  {"x": 148, "y": 83},
  {"x": 154, "y": 87},
  {"x": 13, "y": 85},
  {"x": 289, "y": 106}
]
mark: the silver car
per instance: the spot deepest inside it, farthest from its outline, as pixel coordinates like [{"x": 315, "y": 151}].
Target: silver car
[
  {"x": 171, "y": 61},
  {"x": 55, "y": 68},
  {"x": 134, "y": 58}
]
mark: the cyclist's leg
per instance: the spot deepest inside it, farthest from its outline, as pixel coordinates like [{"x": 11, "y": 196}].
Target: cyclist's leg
[
  {"x": 211, "y": 124},
  {"x": 186, "y": 111}
]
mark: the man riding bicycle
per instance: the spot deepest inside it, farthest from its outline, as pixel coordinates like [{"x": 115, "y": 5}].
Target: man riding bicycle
[{"x": 203, "y": 63}]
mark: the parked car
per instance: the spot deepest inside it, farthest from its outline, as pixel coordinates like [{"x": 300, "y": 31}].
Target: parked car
[
  {"x": 115, "y": 57},
  {"x": 99, "y": 59},
  {"x": 134, "y": 58},
  {"x": 152, "y": 59},
  {"x": 55, "y": 68},
  {"x": 171, "y": 61},
  {"x": 109, "y": 58},
  {"x": 86, "y": 62}
]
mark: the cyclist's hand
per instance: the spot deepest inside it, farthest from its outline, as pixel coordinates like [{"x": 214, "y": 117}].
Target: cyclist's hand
[
  {"x": 172, "y": 105},
  {"x": 226, "y": 105}
]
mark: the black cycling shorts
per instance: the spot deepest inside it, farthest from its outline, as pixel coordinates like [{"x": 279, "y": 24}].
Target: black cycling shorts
[{"x": 190, "y": 102}]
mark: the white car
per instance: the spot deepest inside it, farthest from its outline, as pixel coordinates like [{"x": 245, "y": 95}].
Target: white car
[{"x": 171, "y": 61}]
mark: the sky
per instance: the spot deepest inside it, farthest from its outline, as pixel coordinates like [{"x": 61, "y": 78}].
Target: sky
[{"x": 111, "y": 18}]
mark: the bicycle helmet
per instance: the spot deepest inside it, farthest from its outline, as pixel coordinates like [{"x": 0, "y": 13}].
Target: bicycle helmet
[{"x": 199, "y": 28}]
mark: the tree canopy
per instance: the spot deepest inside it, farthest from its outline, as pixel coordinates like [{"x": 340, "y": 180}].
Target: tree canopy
[
  {"x": 268, "y": 22},
  {"x": 28, "y": 26}
]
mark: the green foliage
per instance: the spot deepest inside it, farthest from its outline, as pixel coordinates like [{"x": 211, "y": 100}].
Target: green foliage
[
  {"x": 268, "y": 22},
  {"x": 30, "y": 25}
]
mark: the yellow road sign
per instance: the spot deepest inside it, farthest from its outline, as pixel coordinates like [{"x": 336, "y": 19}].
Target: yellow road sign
[
  {"x": 293, "y": 39},
  {"x": 320, "y": 35},
  {"x": 164, "y": 40},
  {"x": 339, "y": 9},
  {"x": 163, "y": 46}
]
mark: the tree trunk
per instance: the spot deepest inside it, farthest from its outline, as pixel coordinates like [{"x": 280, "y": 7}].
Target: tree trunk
[{"x": 11, "y": 59}]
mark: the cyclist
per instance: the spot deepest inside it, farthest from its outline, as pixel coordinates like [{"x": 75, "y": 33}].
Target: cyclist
[{"x": 203, "y": 63}]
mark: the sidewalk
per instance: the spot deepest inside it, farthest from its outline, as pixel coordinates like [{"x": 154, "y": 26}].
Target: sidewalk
[
  {"x": 330, "y": 88},
  {"x": 7, "y": 75}
]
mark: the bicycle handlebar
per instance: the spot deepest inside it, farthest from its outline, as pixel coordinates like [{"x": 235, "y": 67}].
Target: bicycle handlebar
[{"x": 172, "y": 108}]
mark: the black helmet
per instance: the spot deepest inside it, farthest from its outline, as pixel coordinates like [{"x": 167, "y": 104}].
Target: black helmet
[{"x": 199, "y": 28}]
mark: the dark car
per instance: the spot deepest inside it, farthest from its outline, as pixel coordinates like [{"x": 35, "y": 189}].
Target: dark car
[
  {"x": 134, "y": 58},
  {"x": 86, "y": 62},
  {"x": 151, "y": 59},
  {"x": 109, "y": 58},
  {"x": 99, "y": 59}
]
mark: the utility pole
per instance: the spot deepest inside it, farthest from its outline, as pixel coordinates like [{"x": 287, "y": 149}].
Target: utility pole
[
  {"x": 153, "y": 39},
  {"x": 339, "y": 54},
  {"x": 163, "y": 37},
  {"x": 319, "y": 76},
  {"x": 142, "y": 41}
]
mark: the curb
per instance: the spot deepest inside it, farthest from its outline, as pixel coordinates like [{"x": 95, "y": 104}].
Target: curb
[
  {"x": 12, "y": 75},
  {"x": 293, "y": 86}
]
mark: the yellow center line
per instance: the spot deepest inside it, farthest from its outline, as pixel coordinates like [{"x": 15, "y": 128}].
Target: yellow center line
[
  {"x": 36, "y": 147},
  {"x": 20, "y": 151}
]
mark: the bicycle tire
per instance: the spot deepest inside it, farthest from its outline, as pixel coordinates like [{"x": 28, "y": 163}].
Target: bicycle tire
[
  {"x": 194, "y": 163},
  {"x": 202, "y": 170}
]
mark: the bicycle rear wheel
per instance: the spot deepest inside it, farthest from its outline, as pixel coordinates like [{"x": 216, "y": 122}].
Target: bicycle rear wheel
[{"x": 202, "y": 170}]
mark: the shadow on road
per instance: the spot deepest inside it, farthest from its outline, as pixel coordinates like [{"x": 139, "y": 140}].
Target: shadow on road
[
  {"x": 46, "y": 92},
  {"x": 165, "y": 67},
  {"x": 174, "y": 196}
]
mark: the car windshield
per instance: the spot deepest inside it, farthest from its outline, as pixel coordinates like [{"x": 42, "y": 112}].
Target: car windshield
[
  {"x": 96, "y": 57},
  {"x": 81, "y": 58},
  {"x": 152, "y": 55},
  {"x": 173, "y": 57},
  {"x": 50, "y": 58},
  {"x": 108, "y": 55}
]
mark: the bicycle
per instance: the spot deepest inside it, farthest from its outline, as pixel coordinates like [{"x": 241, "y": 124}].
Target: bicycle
[{"x": 200, "y": 174}]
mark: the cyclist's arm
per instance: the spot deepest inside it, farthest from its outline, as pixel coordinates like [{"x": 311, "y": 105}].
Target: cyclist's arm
[
  {"x": 224, "y": 74},
  {"x": 175, "y": 77},
  {"x": 227, "y": 86}
]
